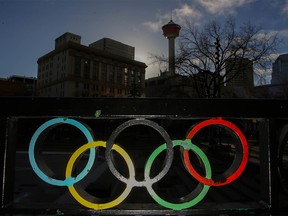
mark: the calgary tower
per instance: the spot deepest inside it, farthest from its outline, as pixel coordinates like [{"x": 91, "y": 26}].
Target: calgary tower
[{"x": 171, "y": 31}]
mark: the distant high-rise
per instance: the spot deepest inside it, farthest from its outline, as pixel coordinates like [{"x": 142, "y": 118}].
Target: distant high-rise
[
  {"x": 280, "y": 70},
  {"x": 239, "y": 78},
  {"x": 240, "y": 72},
  {"x": 171, "y": 31},
  {"x": 106, "y": 68}
]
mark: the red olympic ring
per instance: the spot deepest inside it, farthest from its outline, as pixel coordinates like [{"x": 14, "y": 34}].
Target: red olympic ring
[{"x": 241, "y": 167}]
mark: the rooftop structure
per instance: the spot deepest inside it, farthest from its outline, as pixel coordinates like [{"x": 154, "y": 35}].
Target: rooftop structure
[{"x": 114, "y": 47}]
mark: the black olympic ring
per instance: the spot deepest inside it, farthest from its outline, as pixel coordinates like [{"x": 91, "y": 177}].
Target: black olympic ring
[{"x": 149, "y": 123}]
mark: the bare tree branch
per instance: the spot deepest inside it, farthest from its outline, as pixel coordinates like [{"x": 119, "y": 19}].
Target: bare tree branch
[{"x": 197, "y": 52}]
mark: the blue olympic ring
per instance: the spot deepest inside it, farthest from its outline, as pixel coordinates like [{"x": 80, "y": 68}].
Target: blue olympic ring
[{"x": 49, "y": 179}]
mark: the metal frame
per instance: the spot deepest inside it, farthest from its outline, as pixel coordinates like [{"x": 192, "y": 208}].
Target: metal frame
[{"x": 272, "y": 115}]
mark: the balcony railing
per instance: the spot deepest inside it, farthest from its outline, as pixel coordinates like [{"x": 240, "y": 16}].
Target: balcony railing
[{"x": 115, "y": 156}]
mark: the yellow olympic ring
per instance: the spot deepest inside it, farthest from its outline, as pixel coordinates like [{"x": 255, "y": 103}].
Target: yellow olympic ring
[{"x": 130, "y": 182}]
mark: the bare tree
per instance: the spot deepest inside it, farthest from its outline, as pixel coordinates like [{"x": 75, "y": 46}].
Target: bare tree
[{"x": 205, "y": 52}]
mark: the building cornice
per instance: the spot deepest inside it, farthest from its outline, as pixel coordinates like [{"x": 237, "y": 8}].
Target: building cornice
[{"x": 91, "y": 51}]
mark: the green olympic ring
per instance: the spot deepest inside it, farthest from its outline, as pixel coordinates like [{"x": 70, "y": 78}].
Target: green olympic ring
[{"x": 196, "y": 198}]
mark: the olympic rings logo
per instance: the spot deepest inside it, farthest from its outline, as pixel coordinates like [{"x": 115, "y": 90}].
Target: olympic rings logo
[{"x": 87, "y": 200}]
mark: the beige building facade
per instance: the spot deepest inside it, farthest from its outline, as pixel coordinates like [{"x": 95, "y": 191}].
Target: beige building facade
[{"x": 76, "y": 70}]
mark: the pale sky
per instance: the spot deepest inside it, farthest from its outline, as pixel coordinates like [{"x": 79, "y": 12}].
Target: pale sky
[{"x": 28, "y": 28}]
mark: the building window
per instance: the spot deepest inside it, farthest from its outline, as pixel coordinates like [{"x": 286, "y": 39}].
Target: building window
[
  {"x": 77, "y": 66},
  {"x": 87, "y": 69},
  {"x": 104, "y": 72},
  {"x": 86, "y": 86},
  {"x": 95, "y": 70},
  {"x": 111, "y": 73},
  {"x": 138, "y": 77},
  {"x": 125, "y": 76},
  {"x": 132, "y": 78},
  {"x": 95, "y": 87},
  {"x": 118, "y": 75}
]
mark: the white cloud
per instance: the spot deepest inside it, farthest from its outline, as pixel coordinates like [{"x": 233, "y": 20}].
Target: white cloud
[
  {"x": 186, "y": 11},
  {"x": 154, "y": 26},
  {"x": 222, "y": 6},
  {"x": 189, "y": 12},
  {"x": 285, "y": 7},
  {"x": 179, "y": 15},
  {"x": 283, "y": 33}
]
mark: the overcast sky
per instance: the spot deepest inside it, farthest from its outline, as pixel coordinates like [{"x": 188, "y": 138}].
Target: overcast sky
[{"x": 28, "y": 28}]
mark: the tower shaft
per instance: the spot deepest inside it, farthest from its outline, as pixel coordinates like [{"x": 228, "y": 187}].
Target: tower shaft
[{"x": 171, "y": 44}]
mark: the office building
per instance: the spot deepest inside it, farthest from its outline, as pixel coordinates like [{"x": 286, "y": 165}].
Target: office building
[
  {"x": 105, "y": 68},
  {"x": 18, "y": 86},
  {"x": 239, "y": 72},
  {"x": 239, "y": 78},
  {"x": 280, "y": 70}
]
